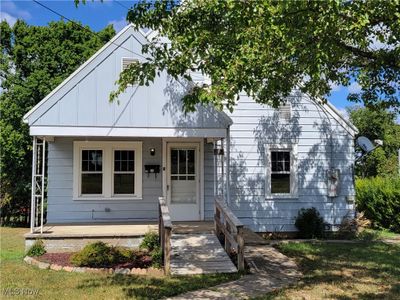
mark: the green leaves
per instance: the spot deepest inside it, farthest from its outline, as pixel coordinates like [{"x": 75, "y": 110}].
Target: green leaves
[
  {"x": 33, "y": 61},
  {"x": 267, "y": 48},
  {"x": 377, "y": 124}
]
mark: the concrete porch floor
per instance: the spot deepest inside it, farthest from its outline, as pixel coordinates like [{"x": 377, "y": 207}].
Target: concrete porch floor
[
  {"x": 117, "y": 229},
  {"x": 73, "y": 237}
]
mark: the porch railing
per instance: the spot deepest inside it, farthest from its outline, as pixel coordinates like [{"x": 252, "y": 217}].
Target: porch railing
[
  {"x": 229, "y": 226},
  {"x": 164, "y": 232}
]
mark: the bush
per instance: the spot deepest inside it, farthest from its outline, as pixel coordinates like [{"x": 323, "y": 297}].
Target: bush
[
  {"x": 156, "y": 257},
  {"x": 150, "y": 241},
  {"x": 97, "y": 254},
  {"x": 379, "y": 199},
  {"x": 309, "y": 223},
  {"x": 37, "y": 249}
]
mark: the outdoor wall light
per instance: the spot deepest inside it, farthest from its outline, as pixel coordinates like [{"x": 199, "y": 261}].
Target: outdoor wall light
[{"x": 152, "y": 151}]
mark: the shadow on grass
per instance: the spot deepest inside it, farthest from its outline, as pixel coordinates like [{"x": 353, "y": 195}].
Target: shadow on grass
[
  {"x": 141, "y": 287},
  {"x": 366, "y": 266}
]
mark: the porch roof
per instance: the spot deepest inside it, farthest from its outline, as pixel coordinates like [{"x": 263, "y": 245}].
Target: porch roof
[{"x": 69, "y": 131}]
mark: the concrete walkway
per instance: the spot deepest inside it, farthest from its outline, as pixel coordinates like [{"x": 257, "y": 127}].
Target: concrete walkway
[{"x": 270, "y": 270}]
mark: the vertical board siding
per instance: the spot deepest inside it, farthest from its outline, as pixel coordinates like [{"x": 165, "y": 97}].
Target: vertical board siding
[
  {"x": 322, "y": 143},
  {"x": 85, "y": 101},
  {"x": 63, "y": 209}
]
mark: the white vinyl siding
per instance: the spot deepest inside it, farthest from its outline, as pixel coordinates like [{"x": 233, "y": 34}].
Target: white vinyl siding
[
  {"x": 254, "y": 127},
  {"x": 108, "y": 170}
]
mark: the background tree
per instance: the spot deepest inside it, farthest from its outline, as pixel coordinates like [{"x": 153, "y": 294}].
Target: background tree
[
  {"x": 377, "y": 124},
  {"x": 33, "y": 61},
  {"x": 268, "y": 48}
]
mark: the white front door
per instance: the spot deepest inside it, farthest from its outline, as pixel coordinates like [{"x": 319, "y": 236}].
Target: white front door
[{"x": 183, "y": 178}]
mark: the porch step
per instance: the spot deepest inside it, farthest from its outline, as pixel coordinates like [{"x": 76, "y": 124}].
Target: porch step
[{"x": 199, "y": 253}]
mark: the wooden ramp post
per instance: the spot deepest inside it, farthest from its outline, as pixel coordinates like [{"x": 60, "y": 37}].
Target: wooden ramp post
[
  {"x": 229, "y": 226},
  {"x": 164, "y": 231}
]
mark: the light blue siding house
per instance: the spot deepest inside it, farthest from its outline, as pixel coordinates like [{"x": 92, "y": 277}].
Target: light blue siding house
[{"x": 109, "y": 162}]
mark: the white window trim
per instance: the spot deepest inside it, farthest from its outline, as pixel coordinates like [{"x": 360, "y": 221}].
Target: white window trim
[
  {"x": 293, "y": 170},
  {"x": 108, "y": 148}
]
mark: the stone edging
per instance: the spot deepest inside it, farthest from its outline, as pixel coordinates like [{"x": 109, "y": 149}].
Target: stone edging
[{"x": 134, "y": 271}]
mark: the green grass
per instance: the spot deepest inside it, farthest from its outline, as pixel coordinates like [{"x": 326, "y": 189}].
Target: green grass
[
  {"x": 63, "y": 285},
  {"x": 365, "y": 270},
  {"x": 373, "y": 234}
]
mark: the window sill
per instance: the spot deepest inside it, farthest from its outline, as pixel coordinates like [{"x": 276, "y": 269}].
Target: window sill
[
  {"x": 106, "y": 198},
  {"x": 283, "y": 197}
]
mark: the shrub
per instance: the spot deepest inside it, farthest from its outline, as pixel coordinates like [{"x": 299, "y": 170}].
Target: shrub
[
  {"x": 156, "y": 257},
  {"x": 309, "y": 223},
  {"x": 97, "y": 254},
  {"x": 150, "y": 241},
  {"x": 37, "y": 249},
  {"x": 379, "y": 199}
]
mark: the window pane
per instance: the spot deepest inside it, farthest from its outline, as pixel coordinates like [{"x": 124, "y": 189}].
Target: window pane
[
  {"x": 92, "y": 184},
  {"x": 182, "y": 161},
  {"x": 174, "y": 161},
  {"x": 190, "y": 160},
  {"x": 280, "y": 183},
  {"x": 124, "y": 160},
  {"x": 124, "y": 183},
  {"x": 92, "y": 160},
  {"x": 280, "y": 161}
]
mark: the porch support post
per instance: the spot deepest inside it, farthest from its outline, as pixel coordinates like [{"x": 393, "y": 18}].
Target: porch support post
[
  {"x": 222, "y": 169},
  {"x": 228, "y": 155},
  {"x": 215, "y": 160},
  {"x": 33, "y": 202},
  {"x": 43, "y": 179}
]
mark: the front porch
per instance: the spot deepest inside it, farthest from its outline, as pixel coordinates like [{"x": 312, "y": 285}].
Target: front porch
[
  {"x": 73, "y": 237},
  {"x": 187, "y": 247}
]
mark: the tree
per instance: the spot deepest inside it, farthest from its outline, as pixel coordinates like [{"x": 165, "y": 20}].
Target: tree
[
  {"x": 377, "y": 124},
  {"x": 268, "y": 48},
  {"x": 33, "y": 61}
]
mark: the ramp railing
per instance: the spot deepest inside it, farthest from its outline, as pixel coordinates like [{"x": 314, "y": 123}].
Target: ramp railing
[{"x": 228, "y": 226}]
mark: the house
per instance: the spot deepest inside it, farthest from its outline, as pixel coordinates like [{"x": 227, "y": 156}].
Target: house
[{"x": 109, "y": 162}]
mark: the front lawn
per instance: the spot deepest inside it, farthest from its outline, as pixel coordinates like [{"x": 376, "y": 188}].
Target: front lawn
[
  {"x": 18, "y": 277},
  {"x": 365, "y": 270}
]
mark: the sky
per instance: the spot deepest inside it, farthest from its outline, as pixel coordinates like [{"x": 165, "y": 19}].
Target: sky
[{"x": 97, "y": 15}]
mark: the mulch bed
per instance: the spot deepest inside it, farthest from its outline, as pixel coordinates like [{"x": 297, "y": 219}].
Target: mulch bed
[{"x": 63, "y": 259}]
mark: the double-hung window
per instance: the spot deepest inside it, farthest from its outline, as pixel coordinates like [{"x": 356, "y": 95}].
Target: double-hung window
[
  {"x": 91, "y": 179},
  {"x": 107, "y": 170},
  {"x": 281, "y": 171},
  {"x": 124, "y": 172}
]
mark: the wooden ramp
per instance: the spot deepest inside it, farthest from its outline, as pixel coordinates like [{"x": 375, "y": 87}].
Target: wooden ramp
[{"x": 198, "y": 253}]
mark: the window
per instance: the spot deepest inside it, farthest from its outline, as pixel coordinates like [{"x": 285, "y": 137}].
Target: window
[
  {"x": 183, "y": 164},
  {"x": 285, "y": 112},
  {"x": 107, "y": 170},
  {"x": 280, "y": 172},
  {"x": 92, "y": 172},
  {"x": 124, "y": 172},
  {"x": 281, "y": 177}
]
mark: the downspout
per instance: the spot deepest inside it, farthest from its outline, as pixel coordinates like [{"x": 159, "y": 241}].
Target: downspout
[{"x": 228, "y": 160}]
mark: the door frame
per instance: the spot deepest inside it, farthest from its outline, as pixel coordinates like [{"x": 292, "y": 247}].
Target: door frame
[{"x": 200, "y": 141}]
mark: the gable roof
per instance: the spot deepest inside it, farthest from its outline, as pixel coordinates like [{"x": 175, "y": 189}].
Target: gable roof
[
  {"x": 82, "y": 100},
  {"x": 141, "y": 38},
  {"x": 110, "y": 45}
]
